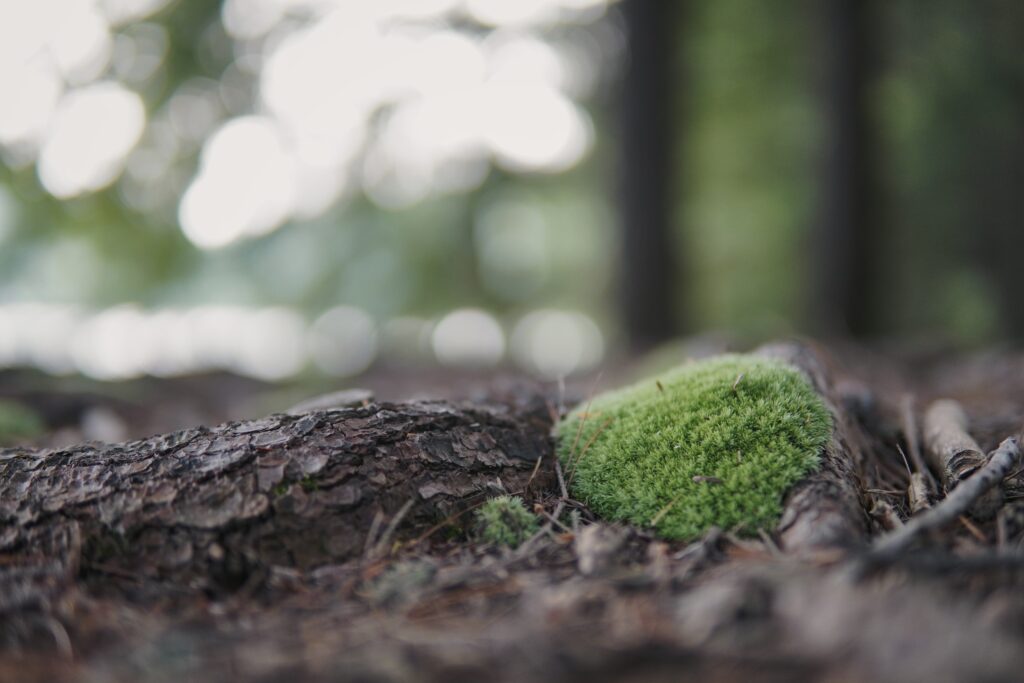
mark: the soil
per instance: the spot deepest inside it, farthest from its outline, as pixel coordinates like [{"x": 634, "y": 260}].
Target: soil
[{"x": 339, "y": 546}]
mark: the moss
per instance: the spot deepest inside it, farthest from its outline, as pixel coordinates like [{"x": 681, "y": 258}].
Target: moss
[
  {"x": 713, "y": 443},
  {"x": 18, "y": 423},
  {"x": 505, "y": 521}
]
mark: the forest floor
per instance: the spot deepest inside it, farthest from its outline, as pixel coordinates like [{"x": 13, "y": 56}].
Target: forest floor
[{"x": 337, "y": 545}]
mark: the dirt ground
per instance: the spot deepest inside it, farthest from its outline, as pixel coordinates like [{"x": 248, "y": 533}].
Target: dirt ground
[{"x": 338, "y": 546}]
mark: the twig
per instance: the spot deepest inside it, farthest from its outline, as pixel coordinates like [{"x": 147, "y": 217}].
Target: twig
[
  {"x": 919, "y": 493},
  {"x": 381, "y": 546},
  {"x": 533, "y": 474},
  {"x": 906, "y": 463},
  {"x": 561, "y": 480},
  {"x": 973, "y": 529},
  {"x": 524, "y": 549},
  {"x": 586, "y": 447},
  {"x": 948, "y": 510},
  {"x": 554, "y": 521},
  {"x": 886, "y": 515},
  {"x": 769, "y": 543},
  {"x": 371, "y": 536},
  {"x": 955, "y": 454},
  {"x": 663, "y": 511},
  {"x": 909, "y": 420}
]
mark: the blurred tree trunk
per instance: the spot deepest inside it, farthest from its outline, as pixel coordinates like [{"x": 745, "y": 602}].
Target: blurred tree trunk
[
  {"x": 649, "y": 270},
  {"x": 844, "y": 241}
]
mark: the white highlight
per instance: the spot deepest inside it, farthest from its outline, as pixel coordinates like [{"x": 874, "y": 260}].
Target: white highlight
[
  {"x": 555, "y": 344},
  {"x": 245, "y": 186},
  {"x": 534, "y": 128},
  {"x": 343, "y": 341},
  {"x": 25, "y": 116},
  {"x": 469, "y": 338},
  {"x": 272, "y": 344},
  {"x": 79, "y": 41},
  {"x": 93, "y": 131},
  {"x": 392, "y": 96},
  {"x": 123, "y": 11}
]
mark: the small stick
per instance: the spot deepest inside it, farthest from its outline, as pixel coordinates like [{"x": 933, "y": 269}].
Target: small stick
[
  {"x": 528, "y": 544},
  {"x": 586, "y": 447},
  {"x": 907, "y": 417},
  {"x": 561, "y": 480},
  {"x": 886, "y": 515},
  {"x": 769, "y": 543},
  {"x": 889, "y": 546},
  {"x": 554, "y": 521},
  {"x": 533, "y": 474},
  {"x": 973, "y": 528},
  {"x": 919, "y": 493},
  {"x": 956, "y": 455},
  {"x": 381, "y": 547},
  {"x": 378, "y": 519},
  {"x": 663, "y": 511}
]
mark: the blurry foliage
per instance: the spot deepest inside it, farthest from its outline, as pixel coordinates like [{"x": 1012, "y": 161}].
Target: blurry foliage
[
  {"x": 18, "y": 423},
  {"x": 949, "y": 100},
  {"x": 748, "y": 180},
  {"x": 947, "y": 96}
]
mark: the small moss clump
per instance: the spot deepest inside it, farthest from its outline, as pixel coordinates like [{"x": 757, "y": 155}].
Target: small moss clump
[
  {"x": 505, "y": 521},
  {"x": 711, "y": 443}
]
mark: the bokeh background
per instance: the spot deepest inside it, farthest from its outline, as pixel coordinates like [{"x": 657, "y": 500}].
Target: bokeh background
[{"x": 289, "y": 189}]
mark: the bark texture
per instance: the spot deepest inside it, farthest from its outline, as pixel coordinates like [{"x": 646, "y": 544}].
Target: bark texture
[
  {"x": 824, "y": 510},
  {"x": 210, "y": 508}
]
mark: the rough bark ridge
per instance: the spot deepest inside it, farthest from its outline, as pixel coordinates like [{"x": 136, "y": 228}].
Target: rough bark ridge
[
  {"x": 824, "y": 510},
  {"x": 206, "y": 508}
]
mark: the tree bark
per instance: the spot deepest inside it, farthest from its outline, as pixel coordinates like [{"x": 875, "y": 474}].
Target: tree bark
[
  {"x": 824, "y": 510},
  {"x": 207, "y": 508}
]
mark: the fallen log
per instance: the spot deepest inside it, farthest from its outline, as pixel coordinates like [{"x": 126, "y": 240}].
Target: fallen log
[
  {"x": 206, "y": 508},
  {"x": 824, "y": 510}
]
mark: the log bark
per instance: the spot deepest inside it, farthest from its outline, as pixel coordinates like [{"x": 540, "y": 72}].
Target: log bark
[
  {"x": 206, "y": 509},
  {"x": 824, "y": 510}
]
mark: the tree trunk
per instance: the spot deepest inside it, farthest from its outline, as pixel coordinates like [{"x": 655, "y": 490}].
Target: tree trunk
[
  {"x": 844, "y": 242},
  {"x": 649, "y": 269}
]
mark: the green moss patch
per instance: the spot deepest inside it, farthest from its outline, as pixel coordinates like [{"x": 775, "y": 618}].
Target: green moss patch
[
  {"x": 505, "y": 521},
  {"x": 712, "y": 443}
]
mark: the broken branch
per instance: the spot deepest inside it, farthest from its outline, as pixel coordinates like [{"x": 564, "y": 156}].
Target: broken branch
[{"x": 956, "y": 455}]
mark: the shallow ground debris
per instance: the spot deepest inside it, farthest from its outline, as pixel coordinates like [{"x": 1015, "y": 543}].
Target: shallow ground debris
[{"x": 338, "y": 546}]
